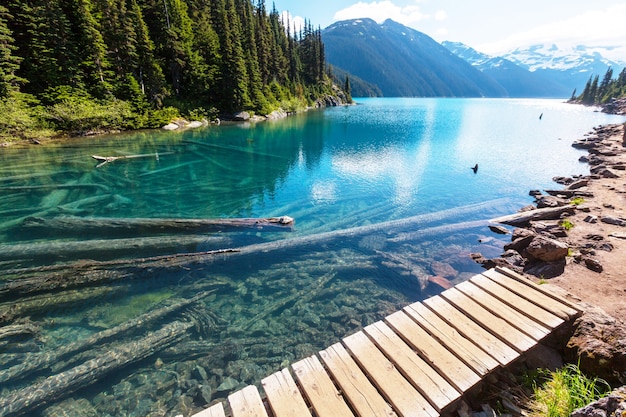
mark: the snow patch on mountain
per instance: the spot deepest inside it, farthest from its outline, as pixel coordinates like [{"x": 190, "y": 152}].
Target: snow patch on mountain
[{"x": 579, "y": 58}]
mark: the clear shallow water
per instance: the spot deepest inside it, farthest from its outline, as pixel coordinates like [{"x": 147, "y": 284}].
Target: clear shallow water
[{"x": 394, "y": 174}]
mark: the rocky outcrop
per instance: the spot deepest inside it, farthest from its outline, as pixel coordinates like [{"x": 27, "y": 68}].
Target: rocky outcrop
[
  {"x": 599, "y": 343},
  {"x": 613, "y": 405},
  {"x": 615, "y": 106},
  {"x": 541, "y": 244}
]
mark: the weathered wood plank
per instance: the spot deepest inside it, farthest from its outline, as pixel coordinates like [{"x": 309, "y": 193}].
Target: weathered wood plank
[
  {"x": 447, "y": 364},
  {"x": 406, "y": 400},
  {"x": 319, "y": 389},
  {"x": 510, "y": 315},
  {"x": 283, "y": 395},
  {"x": 520, "y": 288},
  {"x": 465, "y": 349},
  {"x": 541, "y": 289},
  {"x": 358, "y": 390},
  {"x": 247, "y": 403},
  {"x": 216, "y": 410},
  {"x": 423, "y": 377},
  {"x": 496, "y": 348},
  {"x": 519, "y": 303},
  {"x": 509, "y": 334}
]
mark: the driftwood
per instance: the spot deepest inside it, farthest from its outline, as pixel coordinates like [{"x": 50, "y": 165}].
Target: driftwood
[
  {"x": 70, "y": 225},
  {"x": 42, "y": 361},
  {"x": 108, "y": 248},
  {"x": 61, "y": 385},
  {"x": 53, "y": 187},
  {"x": 78, "y": 273},
  {"x": 38, "y": 304},
  {"x": 523, "y": 218},
  {"x": 107, "y": 159},
  {"x": 20, "y": 329}
]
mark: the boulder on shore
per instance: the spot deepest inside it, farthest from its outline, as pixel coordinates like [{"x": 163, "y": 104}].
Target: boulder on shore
[{"x": 599, "y": 342}]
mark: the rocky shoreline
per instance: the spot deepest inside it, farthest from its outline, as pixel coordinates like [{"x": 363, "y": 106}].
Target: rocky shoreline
[{"x": 574, "y": 240}]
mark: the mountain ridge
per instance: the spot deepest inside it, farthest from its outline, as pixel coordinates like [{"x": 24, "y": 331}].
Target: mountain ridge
[{"x": 402, "y": 61}]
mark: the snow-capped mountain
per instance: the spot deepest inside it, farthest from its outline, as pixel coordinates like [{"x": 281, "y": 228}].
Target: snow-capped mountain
[
  {"x": 558, "y": 70},
  {"x": 566, "y": 65},
  {"x": 575, "y": 58},
  {"x": 517, "y": 80}
]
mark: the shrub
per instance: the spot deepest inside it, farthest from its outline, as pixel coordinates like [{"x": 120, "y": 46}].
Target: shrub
[
  {"x": 566, "y": 224},
  {"x": 577, "y": 201},
  {"x": 565, "y": 390}
]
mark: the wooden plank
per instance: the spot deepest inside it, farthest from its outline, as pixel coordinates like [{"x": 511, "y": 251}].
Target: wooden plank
[
  {"x": 539, "y": 298},
  {"x": 319, "y": 389},
  {"x": 510, "y": 315},
  {"x": 283, "y": 395},
  {"x": 216, "y": 410},
  {"x": 427, "y": 380},
  {"x": 512, "y": 274},
  {"x": 358, "y": 390},
  {"x": 509, "y": 334},
  {"x": 465, "y": 349},
  {"x": 540, "y": 315},
  {"x": 447, "y": 364},
  {"x": 406, "y": 400},
  {"x": 492, "y": 344},
  {"x": 247, "y": 403}
]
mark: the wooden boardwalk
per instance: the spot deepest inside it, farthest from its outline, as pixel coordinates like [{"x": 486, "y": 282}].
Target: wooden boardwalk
[{"x": 415, "y": 362}]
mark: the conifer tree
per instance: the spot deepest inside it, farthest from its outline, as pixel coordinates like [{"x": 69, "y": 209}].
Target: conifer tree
[{"x": 9, "y": 63}]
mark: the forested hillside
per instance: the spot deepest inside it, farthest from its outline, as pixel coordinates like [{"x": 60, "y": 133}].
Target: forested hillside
[
  {"x": 99, "y": 65},
  {"x": 601, "y": 92}
]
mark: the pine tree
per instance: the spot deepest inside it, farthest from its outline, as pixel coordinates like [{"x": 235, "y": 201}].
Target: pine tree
[
  {"x": 147, "y": 72},
  {"x": 9, "y": 63},
  {"x": 94, "y": 66}
]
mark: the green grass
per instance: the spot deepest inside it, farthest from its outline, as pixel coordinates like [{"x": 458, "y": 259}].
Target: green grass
[
  {"x": 562, "y": 391},
  {"x": 577, "y": 201},
  {"x": 566, "y": 224}
]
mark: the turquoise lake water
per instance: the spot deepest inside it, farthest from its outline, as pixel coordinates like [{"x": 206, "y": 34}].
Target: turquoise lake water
[{"x": 383, "y": 196}]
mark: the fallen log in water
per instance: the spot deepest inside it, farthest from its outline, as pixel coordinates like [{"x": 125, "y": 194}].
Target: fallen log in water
[
  {"x": 78, "y": 273},
  {"x": 42, "y": 303},
  {"x": 81, "y": 226},
  {"x": 107, "y": 159},
  {"x": 523, "y": 218},
  {"x": 53, "y": 187},
  {"x": 20, "y": 329},
  {"x": 110, "y": 248},
  {"x": 42, "y": 361},
  {"x": 61, "y": 385}
]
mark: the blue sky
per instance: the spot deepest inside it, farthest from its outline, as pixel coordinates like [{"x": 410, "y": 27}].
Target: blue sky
[{"x": 491, "y": 26}]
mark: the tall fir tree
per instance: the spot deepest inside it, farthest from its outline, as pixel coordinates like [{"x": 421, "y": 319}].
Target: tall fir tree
[{"x": 9, "y": 62}]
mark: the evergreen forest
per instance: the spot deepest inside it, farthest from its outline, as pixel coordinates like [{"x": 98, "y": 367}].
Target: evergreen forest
[
  {"x": 602, "y": 91},
  {"x": 85, "y": 66}
]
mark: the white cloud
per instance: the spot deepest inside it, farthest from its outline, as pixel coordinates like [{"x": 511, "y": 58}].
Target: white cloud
[
  {"x": 296, "y": 23},
  {"x": 593, "y": 28},
  {"x": 441, "y": 15},
  {"x": 383, "y": 10}
]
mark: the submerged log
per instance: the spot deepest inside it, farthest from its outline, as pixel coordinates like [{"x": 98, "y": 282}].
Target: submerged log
[
  {"x": 524, "y": 218},
  {"x": 109, "y": 248},
  {"x": 80, "y": 226},
  {"x": 107, "y": 159},
  {"x": 78, "y": 273},
  {"x": 42, "y": 361},
  {"x": 61, "y": 385}
]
